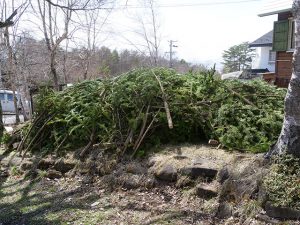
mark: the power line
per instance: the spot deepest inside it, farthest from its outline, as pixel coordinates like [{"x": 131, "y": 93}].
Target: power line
[
  {"x": 181, "y": 5},
  {"x": 193, "y": 4}
]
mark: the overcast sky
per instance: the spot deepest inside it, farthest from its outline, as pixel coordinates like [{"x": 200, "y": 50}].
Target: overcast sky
[{"x": 203, "y": 28}]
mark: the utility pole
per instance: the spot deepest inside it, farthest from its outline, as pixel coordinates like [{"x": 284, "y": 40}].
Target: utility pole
[{"x": 171, "y": 52}]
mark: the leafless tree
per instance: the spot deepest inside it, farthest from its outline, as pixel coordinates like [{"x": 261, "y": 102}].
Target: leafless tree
[
  {"x": 52, "y": 34},
  {"x": 148, "y": 31},
  {"x": 56, "y": 32},
  {"x": 9, "y": 42}
]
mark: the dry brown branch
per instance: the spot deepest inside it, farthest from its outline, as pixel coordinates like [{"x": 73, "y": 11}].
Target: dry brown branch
[
  {"x": 34, "y": 123},
  {"x": 36, "y": 136},
  {"x": 167, "y": 109},
  {"x": 143, "y": 128},
  {"x": 87, "y": 147},
  {"x": 144, "y": 135}
]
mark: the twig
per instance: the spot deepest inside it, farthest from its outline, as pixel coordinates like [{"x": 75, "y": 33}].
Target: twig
[
  {"x": 92, "y": 138},
  {"x": 36, "y": 120},
  {"x": 36, "y": 136},
  {"x": 143, "y": 127},
  {"x": 127, "y": 141},
  {"x": 240, "y": 96},
  {"x": 167, "y": 109},
  {"x": 146, "y": 131},
  {"x": 61, "y": 143}
]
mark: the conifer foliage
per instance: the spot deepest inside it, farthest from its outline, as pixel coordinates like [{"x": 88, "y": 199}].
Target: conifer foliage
[{"x": 147, "y": 107}]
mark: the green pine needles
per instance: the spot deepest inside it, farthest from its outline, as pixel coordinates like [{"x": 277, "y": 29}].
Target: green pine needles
[{"x": 136, "y": 110}]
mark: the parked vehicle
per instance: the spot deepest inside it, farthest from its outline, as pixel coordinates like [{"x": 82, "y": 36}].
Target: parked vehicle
[{"x": 7, "y": 101}]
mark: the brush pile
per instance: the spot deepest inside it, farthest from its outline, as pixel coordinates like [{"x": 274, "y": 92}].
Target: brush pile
[{"x": 147, "y": 107}]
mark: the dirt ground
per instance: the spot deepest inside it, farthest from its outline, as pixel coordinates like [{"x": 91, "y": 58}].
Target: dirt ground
[
  {"x": 70, "y": 201},
  {"x": 78, "y": 200}
]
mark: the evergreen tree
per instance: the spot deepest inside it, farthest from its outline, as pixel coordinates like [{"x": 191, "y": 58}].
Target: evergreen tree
[{"x": 237, "y": 57}]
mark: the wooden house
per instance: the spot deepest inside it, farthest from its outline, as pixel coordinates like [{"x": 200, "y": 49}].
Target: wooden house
[{"x": 283, "y": 39}]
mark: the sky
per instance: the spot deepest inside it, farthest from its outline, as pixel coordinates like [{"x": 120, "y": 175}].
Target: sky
[{"x": 203, "y": 29}]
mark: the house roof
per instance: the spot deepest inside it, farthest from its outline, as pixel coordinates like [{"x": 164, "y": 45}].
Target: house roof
[
  {"x": 271, "y": 7},
  {"x": 265, "y": 40},
  {"x": 232, "y": 75}
]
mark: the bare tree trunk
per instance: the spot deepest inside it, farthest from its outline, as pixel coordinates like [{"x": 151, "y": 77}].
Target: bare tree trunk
[
  {"x": 53, "y": 69},
  {"x": 16, "y": 105},
  {"x": 289, "y": 139},
  {"x": 12, "y": 73}
]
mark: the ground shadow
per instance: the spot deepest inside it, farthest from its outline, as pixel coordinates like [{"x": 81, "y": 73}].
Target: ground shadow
[{"x": 31, "y": 207}]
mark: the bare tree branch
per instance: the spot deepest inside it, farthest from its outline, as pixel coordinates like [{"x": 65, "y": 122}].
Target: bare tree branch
[
  {"x": 8, "y": 22},
  {"x": 84, "y": 7}
]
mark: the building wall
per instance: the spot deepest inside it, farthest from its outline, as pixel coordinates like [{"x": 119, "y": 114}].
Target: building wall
[
  {"x": 284, "y": 64},
  {"x": 261, "y": 59}
]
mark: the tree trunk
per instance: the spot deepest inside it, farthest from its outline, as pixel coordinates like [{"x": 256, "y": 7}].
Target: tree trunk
[
  {"x": 16, "y": 106},
  {"x": 289, "y": 139},
  {"x": 53, "y": 70},
  {"x": 1, "y": 121}
]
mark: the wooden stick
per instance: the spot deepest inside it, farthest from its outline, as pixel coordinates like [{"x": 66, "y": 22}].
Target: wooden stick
[
  {"x": 143, "y": 127},
  {"x": 127, "y": 141},
  {"x": 86, "y": 148},
  {"x": 167, "y": 109},
  {"x": 20, "y": 146},
  {"x": 36, "y": 136},
  {"x": 61, "y": 143},
  {"x": 240, "y": 96},
  {"x": 142, "y": 138}
]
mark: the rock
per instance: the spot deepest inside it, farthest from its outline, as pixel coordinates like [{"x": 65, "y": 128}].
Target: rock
[
  {"x": 266, "y": 219},
  {"x": 4, "y": 173},
  {"x": 213, "y": 142},
  {"x": 150, "y": 183},
  {"x": 243, "y": 183},
  {"x": 135, "y": 168},
  {"x": 131, "y": 182},
  {"x": 87, "y": 179},
  {"x": 63, "y": 166},
  {"x": 15, "y": 145},
  {"x": 26, "y": 165},
  {"x": 179, "y": 157},
  {"x": 166, "y": 173},
  {"x": 224, "y": 211},
  {"x": 223, "y": 175},
  {"x": 198, "y": 161},
  {"x": 45, "y": 164},
  {"x": 53, "y": 174},
  {"x": 31, "y": 174},
  {"x": 151, "y": 162},
  {"x": 204, "y": 170},
  {"x": 184, "y": 181},
  {"x": 95, "y": 204},
  {"x": 206, "y": 191},
  {"x": 281, "y": 212}
]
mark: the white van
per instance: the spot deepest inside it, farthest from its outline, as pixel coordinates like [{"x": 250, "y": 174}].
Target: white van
[{"x": 7, "y": 101}]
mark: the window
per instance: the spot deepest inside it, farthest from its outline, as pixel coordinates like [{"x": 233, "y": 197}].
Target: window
[
  {"x": 2, "y": 96},
  {"x": 10, "y": 97},
  {"x": 272, "y": 56}
]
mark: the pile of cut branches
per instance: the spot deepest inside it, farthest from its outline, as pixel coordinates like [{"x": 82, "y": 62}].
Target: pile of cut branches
[{"x": 147, "y": 107}]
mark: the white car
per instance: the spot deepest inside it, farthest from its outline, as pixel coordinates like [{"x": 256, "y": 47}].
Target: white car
[{"x": 7, "y": 101}]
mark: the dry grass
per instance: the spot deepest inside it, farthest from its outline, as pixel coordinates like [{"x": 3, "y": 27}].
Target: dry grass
[{"x": 191, "y": 153}]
